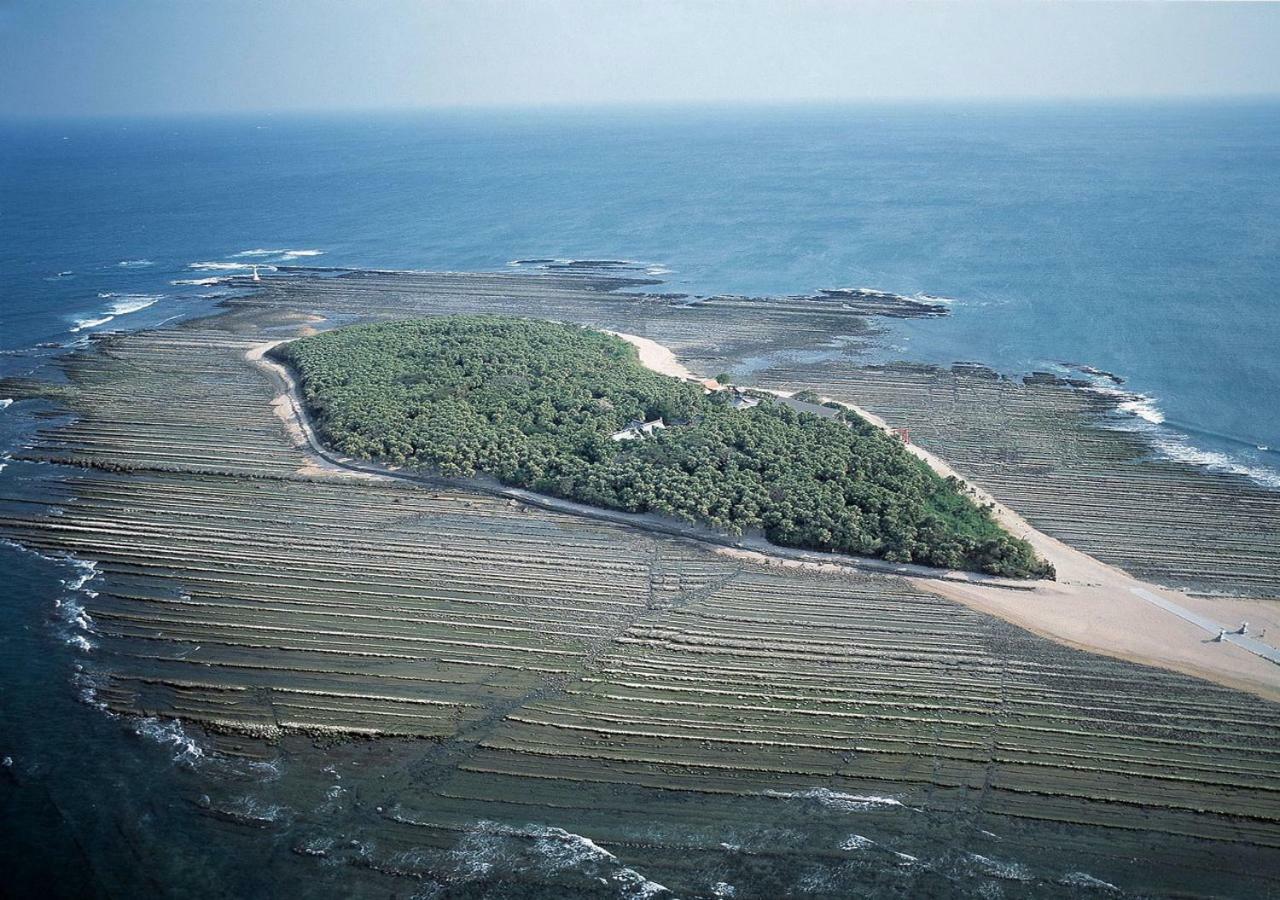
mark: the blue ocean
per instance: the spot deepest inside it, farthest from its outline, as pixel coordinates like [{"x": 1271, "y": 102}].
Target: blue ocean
[{"x": 1143, "y": 240}]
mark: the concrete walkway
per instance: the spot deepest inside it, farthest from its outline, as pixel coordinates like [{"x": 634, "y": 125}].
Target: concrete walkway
[{"x": 1253, "y": 645}]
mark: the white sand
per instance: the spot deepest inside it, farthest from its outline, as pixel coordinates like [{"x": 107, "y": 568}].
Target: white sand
[
  {"x": 1092, "y": 606},
  {"x": 655, "y": 356}
]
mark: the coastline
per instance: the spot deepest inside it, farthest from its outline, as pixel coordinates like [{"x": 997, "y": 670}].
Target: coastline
[
  {"x": 539, "y": 658},
  {"x": 1092, "y": 606}
]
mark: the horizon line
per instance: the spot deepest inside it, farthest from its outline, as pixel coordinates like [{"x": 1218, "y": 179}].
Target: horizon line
[{"x": 652, "y": 105}]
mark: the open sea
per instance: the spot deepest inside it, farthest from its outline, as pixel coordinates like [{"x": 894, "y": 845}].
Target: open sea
[{"x": 1143, "y": 240}]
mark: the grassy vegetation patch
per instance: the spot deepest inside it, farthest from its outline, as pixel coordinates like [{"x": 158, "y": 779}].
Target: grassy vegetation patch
[{"x": 539, "y": 404}]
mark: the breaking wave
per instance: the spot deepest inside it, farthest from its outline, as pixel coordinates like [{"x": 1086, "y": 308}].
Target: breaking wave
[
  {"x": 1140, "y": 413},
  {"x": 91, "y": 322},
  {"x": 282, "y": 254},
  {"x": 198, "y": 281},
  {"x": 6, "y": 402},
  {"x": 1087, "y": 881},
  {"x": 170, "y": 734},
  {"x": 224, "y": 266},
  {"x": 134, "y": 263},
  {"x": 74, "y": 622},
  {"x": 129, "y": 303},
  {"x": 1009, "y": 871},
  {"x": 591, "y": 266},
  {"x": 1144, "y": 408},
  {"x": 1173, "y": 445},
  {"x": 837, "y": 800},
  {"x": 856, "y": 842},
  {"x": 491, "y": 846}
]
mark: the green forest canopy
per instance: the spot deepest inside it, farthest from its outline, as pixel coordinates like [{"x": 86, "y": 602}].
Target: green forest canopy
[{"x": 535, "y": 404}]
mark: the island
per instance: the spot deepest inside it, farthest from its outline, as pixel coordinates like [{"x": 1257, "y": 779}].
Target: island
[{"x": 571, "y": 412}]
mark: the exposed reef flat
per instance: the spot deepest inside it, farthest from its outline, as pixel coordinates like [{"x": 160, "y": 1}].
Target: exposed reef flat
[
  {"x": 1044, "y": 448},
  {"x": 663, "y": 717}
]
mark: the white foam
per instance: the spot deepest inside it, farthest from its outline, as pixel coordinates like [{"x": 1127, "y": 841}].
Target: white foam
[
  {"x": 87, "y": 569},
  {"x": 257, "y": 252},
  {"x": 169, "y": 733},
  {"x": 1085, "y": 880},
  {"x": 636, "y": 885},
  {"x": 1009, "y": 871},
  {"x": 84, "y": 324},
  {"x": 1173, "y": 444},
  {"x": 87, "y": 690},
  {"x": 723, "y": 889},
  {"x": 221, "y": 266},
  {"x": 1144, "y": 408},
  {"x": 132, "y": 303},
  {"x": 6, "y": 402},
  {"x": 856, "y": 842},
  {"x": 74, "y": 615},
  {"x": 836, "y": 799},
  {"x": 1177, "y": 448},
  {"x": 134, "y": 263},
  {"x": 198, "y": 281},
  {"x": 251, "y": 808},
  {"x": 300, "y": 254},
  {"x": 563, "y": 849},
  {"x": 76, "y": 623}
]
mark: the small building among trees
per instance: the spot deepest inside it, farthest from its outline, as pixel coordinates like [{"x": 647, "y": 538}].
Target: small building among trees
[{"x": 636, "y": 429}]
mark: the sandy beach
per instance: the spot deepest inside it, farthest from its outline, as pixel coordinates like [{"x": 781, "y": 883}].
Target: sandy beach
[{"x": 1092, "y": 606}]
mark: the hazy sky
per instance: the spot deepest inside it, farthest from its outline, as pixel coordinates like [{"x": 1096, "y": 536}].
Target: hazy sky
[{"x": 164, "y": 56}]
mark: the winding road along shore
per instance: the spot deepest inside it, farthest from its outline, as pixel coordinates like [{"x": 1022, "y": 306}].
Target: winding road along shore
[{"x": 1092, "y": 606}]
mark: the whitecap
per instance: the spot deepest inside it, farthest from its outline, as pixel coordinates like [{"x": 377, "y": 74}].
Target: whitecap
[
  {"x": 87, "y": 690},
  {"x": 76, "y": 623},
  {"x": 1009, "y": 871},
  {"x": 836, "y": 799},
  {"x": 636, "y": 885},
  {"x": 1144, "y": 408},
  {"x": 221, "y": 266},
  {"x": 6, "y": 402},
  {"x": 87, "y": 569},
  {"x": 73, "y": 615},
  {"x": 134, "y": 263},
  {"x": 258, "y": 251},
  {"x": 170, "y": 734},
  {"x": 1177, "y": 448},
  {"x": 131, "y": 303},
  {"x": 300, "y": 254},
  {"x": 562, "y": 849},
  {"x": 84, "y": 324},
  {"x": 856, "y": 842},
  {"x": 723, "y": 889},
  {"x": 198, "y": 281},
  {"x": 1085, "y": 880},
  {"x": 1140, "y": 414}
]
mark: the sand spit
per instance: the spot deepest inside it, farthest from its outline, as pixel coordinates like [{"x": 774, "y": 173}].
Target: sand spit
[{"x": 683, "y": 711}]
